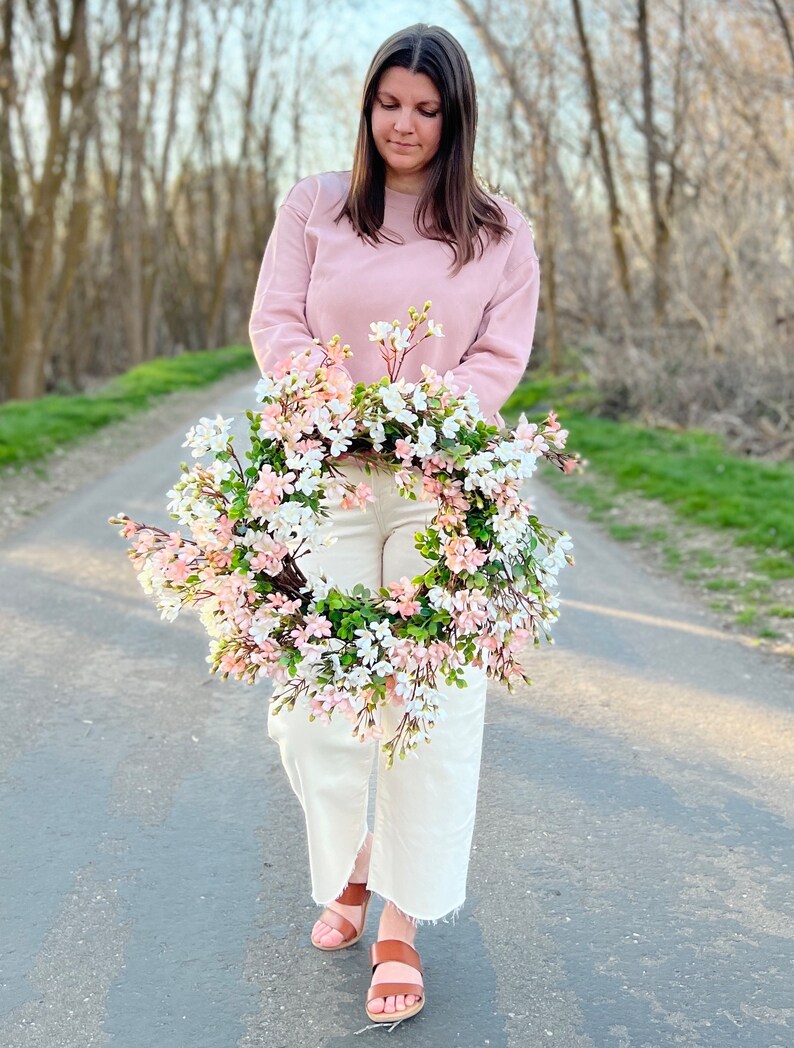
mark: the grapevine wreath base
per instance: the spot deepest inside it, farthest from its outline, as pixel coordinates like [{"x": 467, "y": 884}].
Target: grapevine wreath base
[{"x": 491, "y": 565}]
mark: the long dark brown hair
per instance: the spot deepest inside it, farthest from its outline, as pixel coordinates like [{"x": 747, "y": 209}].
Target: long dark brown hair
[{"x": 452, "y": 207}]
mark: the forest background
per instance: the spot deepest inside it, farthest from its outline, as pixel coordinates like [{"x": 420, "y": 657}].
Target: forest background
[{"x": 145, "y": 146}]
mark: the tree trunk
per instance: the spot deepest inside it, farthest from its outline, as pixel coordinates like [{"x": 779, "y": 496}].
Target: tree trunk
[
  {"x": 594, "y": 96},
  {"x": 786, "y": 29},
  {"x": 11, "y": 220},
  {"x": 131, "y": 172},
  {"x": 547, "y": 173},
  {"x": 661, "y": 234},
  {"x": 28, "y": 355}
]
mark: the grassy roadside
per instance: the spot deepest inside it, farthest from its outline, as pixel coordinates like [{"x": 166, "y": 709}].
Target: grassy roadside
[
  {"x": 722, "y": 522},
  {"x": 32, "y": 429}
]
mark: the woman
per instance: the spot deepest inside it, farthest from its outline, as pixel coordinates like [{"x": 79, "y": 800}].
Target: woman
[{"x": 409, "y": 223}]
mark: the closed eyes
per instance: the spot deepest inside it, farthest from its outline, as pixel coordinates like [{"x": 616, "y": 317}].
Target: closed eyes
[{"x": 391, "y": 106}]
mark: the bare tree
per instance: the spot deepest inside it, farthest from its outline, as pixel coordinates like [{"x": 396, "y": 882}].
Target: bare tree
[
  {"x": 596, "y": 109},
  {"x": 780, "y": 14},
  {"x": 675, "y": 197},
  {"x": 133, "y": 223},
  {"x": 540, "y": 184},
  {"x": 30, "y": 227}
]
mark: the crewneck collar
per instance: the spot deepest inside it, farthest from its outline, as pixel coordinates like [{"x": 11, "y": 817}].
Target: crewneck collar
[{"x": 399, "y": 201}]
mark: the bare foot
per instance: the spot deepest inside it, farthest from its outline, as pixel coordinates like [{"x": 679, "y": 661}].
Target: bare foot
[
  {"x": 323, "y": 934},
  {"x": 395, "y": 925}
]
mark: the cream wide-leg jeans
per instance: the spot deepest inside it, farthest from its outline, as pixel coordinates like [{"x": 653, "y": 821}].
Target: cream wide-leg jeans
[{"x": 424, "y": 808}]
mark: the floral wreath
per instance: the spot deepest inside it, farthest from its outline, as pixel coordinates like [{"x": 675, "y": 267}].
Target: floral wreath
[{"x": 491, "y": 565}]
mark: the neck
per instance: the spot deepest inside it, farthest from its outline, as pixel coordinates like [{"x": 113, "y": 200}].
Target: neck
[{"x": 413, "y": 184}]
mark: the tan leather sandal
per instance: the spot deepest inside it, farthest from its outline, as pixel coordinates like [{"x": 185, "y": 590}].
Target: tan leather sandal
[
  {"x": 353, "y": 895},
  {"x": 395, "y": 950}
]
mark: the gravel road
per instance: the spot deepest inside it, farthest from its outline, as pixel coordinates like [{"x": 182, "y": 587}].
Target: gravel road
[{"x": 631, "y": 884}]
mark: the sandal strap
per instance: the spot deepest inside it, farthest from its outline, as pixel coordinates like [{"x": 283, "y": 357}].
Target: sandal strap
[
  {"x": 394, "y": 950},
  {"x": 354, "y": 895},
  {"x": 339, "y": 923},
  {"x": 385, "y": 989}
]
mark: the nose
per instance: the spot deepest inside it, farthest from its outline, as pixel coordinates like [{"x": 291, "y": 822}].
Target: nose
[{"x": 402, "y": 121}]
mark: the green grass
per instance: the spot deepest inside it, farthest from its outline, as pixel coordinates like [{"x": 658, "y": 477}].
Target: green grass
[
  {"x": 776, "y": 567},
  {"x": 768, "y": 633},
  {"x": 724, "y": 503},
  {"x": 723, "y": 584},
  {"x": 32, "y": 429},
  {"x": 625, "y": 532},
  {"x": 689, "y": 471},
  {"x": 706, "y": 559}
]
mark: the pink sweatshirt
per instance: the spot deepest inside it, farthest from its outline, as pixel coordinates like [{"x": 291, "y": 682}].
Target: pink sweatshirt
[{"x": 318, "y": 279}]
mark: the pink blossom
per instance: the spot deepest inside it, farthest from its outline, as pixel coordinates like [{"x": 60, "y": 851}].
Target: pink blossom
[
  {"x": 431, "y": 485},
  {"x": 269, "y": 489},
  {"x": 335, "y": 352},
  {"x": 269, "y": 555},
  {"x": 403, "y": 478},
  {"x": 301, "y": 638},
  {"x": 391, "y": 691},
  {"x": 452, "y": 493},
  {"x": 448, "y": 518},
  {"x": 338, "y": 384},
  {"x": 317, "y": 626},
  {"x": 218, "y": 558},
  {"x": 267, "y": 650},
  {"x": 437, "y": 652},
  {"x": 269, "y": 417},
  {"x": 294, "y": 362},
  {"x": 403, "y": 602},
  {"x": 329, "y": 699},
  {"x": 462, "y": 555},
  {"x": 437, "y": 462},
  {"x": 471, "y": 611},
  {"x": 174, "y": 543},
  {"x": 284, "y": 605},
  {"x": 224, "y": 529},
  {"x": 232, "y": 662},
  {"x": 404, "y": 450},
  {"x": 177, "y": 570},
  {"x": 504, "y": 494},
  {"x": 403, "y": 652},
  {"x": 268, "y": 561},
  {"x": 307, "y": 444},
  {"x": 144, "y": 541},
  {"x": 359, "y": 497},
  {"x": 526, "y": 431}
]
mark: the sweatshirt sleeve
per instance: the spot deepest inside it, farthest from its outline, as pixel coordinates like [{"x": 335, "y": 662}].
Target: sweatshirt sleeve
[
  {"x": 278, "y": 318},
  {"x": 494, "y": 363}
]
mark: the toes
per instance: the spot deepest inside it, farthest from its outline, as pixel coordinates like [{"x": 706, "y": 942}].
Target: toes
[
  {"x": 391, "y": 1005},
  {"x": 324, "y": 935}
]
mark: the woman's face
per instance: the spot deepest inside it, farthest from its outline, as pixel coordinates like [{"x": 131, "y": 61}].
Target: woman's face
[{"x": 406, "y": 126}]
